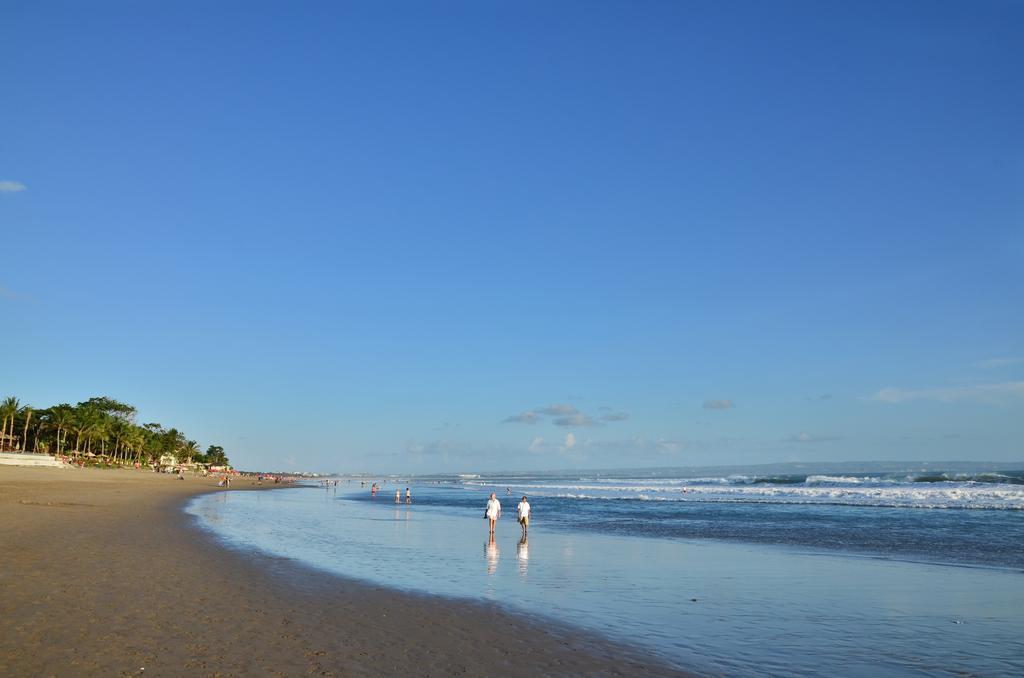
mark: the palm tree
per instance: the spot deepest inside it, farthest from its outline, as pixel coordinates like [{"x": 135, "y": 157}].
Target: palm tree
[
  {"x": 138, "y": 443},
  {"x": 191, "y": 449},
  {"x": 82, "y": 423},
  {"x": 120, "y": 430},
  {"x": 8, "y": 407},
  {"x": 61, "y": 418},
  {"x": 102, "y": 433},
  {"x": 37, "y": 428},
  {"x": 27, "y": 411}
]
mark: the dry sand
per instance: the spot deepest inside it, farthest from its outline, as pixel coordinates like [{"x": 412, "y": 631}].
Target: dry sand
[{"x": 102, "y": 574}]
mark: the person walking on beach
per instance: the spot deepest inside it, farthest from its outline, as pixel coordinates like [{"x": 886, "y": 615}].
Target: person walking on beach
[
  {"x": 408, "y": 496},
  {"x": 398, "y": 496},
  {"x": 523, "y": 511},
  {"x": 493, "y": 511}
]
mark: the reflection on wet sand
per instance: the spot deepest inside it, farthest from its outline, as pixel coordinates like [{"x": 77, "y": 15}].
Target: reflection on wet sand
[
  {"x": 491, "y": 554},
  {"x": 523, "y": 555}
]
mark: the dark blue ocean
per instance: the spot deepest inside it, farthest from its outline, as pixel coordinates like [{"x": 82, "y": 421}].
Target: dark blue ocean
[{"x": 972, "y": 517}]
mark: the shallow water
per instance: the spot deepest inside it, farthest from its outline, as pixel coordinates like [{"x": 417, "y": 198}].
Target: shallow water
[{"x": 707, "y": 605}]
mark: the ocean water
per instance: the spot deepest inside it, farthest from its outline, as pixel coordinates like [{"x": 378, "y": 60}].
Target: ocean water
[
  {"x": 894, "y": 573},
  {"x": 957, "y": 517}
]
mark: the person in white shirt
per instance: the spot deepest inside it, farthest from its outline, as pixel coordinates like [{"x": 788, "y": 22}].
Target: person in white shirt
[
  {"x": 493, "y": 511},
  {"x": 523, "y": 510}
]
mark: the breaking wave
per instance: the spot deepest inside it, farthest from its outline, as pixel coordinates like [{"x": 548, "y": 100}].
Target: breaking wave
[{"x": 904, "y": 490}]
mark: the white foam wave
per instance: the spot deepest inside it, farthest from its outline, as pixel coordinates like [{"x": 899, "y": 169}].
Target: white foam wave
[
  {"x": 961, "y": 496},
  {"x": 837, "y": 480}
]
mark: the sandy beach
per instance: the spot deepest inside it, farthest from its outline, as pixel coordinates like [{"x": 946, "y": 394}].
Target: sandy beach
[{"x": 101, "y": 573}]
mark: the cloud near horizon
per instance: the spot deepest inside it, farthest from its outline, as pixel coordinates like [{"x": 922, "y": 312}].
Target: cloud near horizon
[
  {"x": 527, "y": 417},
  {"x": 805, "y": 437},
  {"x": 638, "y": 445},
  {"x": 997, "y": 393},
  {"x": 565, "y": 416},
  {"x": 725, "y": 404},
  {"x": 558, "y": 410},
  {"x": 8, "y": 186},
  {"x": 578, "y": 419}
]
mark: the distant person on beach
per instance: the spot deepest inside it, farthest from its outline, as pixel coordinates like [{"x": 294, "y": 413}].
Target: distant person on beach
[
  {"x": 398, "y": 496},
  {"x": 493, "y": 511},
  {"x": 408, "y": 496},
  {"x": 523, "y": 511}
]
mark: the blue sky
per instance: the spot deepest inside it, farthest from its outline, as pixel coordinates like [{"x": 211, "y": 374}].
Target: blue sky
[{"x": 460, "y": 236}]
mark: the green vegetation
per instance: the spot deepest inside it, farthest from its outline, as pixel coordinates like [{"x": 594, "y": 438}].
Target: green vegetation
[{"x": 98, "y": 427}]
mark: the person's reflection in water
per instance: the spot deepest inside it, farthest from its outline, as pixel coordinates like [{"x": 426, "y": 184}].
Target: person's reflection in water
[
  {"x": 523, "y": 554},
  {"x": 491, "y": 553}
]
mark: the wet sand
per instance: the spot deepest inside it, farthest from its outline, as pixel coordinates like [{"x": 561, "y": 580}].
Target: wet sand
[{"x": 101, "y": 573}]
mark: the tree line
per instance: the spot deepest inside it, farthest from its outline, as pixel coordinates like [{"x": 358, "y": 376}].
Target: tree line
[{"x": 98, "y": 426}]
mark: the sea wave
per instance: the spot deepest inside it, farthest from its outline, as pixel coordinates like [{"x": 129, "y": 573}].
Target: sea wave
[
  {"x": 964, "y": 496},
  {"x": 844, "y": 480},
  {"x": 790, "y": 480}
]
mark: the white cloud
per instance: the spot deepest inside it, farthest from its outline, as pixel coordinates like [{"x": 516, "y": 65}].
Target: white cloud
[
  {"x": 7, "y": 186},
  {"x": 670, "y": 446},
  {"x": 986, "y": 393},
  {"x": 527, "y": 417},
  {"x": 578, "y": 419},
  {"x": 565, "y": 416},
  {"x": 998, "y": 362},
  {"x": 559, "y": 410},
  {"x": 805, "y": 437},
  {"x": 633, "y": 447},
  {"x": 718, "y": 404},
  {"x": 556, "y": 447}
]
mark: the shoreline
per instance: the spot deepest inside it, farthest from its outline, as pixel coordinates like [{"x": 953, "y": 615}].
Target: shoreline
[{"x": 104, "y": 573}]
